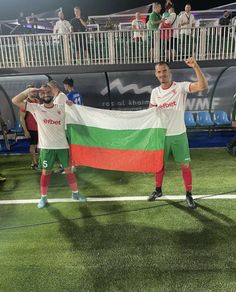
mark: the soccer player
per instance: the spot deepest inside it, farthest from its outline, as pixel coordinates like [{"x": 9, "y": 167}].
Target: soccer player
[
  {"x": 59, "y": 96},
  {"x": 170, "y": 96},
  {"x": 53, "y": 144},
  {"x": 72, "y": 94}
]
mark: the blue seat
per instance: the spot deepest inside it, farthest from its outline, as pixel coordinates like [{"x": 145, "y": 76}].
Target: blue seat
[
  {"x": 204, "y": 119},
  {"x": 17, "y": 129},
  {"x": 220, "y": 118},
  {"x": 189, "y": 119}
]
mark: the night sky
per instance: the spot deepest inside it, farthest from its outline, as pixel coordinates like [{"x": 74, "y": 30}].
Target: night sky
[{"x": 9, "y": 9}]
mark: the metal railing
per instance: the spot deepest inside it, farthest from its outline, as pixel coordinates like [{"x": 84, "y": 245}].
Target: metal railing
[{"x": 117, "y": 47}]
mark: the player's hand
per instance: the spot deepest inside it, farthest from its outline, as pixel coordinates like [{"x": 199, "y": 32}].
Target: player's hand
[
  {"x": 69, "y": 102},
  {"x": 191, "y": 62},
  {"x": 27, "y": 134},
  {"x": 30, "y": 91}
]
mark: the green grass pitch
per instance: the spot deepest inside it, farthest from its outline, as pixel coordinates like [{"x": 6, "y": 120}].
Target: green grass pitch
[{"x": 119, "y": 246}]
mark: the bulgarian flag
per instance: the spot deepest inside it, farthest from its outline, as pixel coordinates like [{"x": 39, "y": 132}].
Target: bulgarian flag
[{"x": 116, "y": 140}]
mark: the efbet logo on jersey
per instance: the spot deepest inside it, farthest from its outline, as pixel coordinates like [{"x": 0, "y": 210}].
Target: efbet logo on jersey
[
  {"x": 51, "y": 122},
  {"x": 167, "y": 105}
]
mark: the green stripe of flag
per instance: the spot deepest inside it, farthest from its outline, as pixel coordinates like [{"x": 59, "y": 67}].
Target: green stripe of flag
[{"x": 146, "y": 139}]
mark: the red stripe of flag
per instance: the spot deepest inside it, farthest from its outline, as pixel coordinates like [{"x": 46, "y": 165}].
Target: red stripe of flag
[{"x": 113, "y": 159}]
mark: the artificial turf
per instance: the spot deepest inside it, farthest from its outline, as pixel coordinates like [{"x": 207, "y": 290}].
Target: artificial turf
[
  {"x": 213, "y": 173},
  {"x": 119, "y": 246}
]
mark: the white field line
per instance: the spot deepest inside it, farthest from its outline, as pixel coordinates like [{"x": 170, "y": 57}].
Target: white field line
[{"x": 116, "y": 199}]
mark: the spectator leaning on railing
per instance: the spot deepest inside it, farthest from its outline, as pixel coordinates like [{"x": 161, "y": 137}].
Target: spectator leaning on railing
[
  {"x": 79, "y": 25},
  {"x": 168, "y": 5},
  {"x": 225, "y": 19},
  {"x": 62, "y": 26},
  {"x": 155, "y": 18},
  {"x": 168, "y": 33},
  {"x": 22, "y": 23},
  {"x": 186, "y": 23},
  {"x": 224, "y": 22},
  {"x": 33, "y": 21},
  {"x": 154, "y": 21},
  {"x": 138, "y": 27}
]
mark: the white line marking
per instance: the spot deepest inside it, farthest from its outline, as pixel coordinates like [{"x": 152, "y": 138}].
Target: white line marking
[{"x": 116, "y": 199}]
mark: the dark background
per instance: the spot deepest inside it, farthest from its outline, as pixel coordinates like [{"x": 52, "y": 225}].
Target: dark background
[{"x": 9, "y": 9}]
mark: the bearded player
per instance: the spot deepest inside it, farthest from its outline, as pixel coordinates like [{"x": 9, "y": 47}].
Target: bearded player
[{"x": 53, "y": 144}]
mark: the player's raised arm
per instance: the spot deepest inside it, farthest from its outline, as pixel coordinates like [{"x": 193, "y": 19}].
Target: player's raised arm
[
  {"x": 201, "y": 83},
  {"x": 19, "y": 99}
]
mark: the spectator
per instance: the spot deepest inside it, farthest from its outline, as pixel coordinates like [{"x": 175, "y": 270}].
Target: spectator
[
  {"x": 168, "y": 35},
  {"x": 72, "y": 94},
  {"x": 30, "y": 128},
  {"x": 168, "y": 5},
  {"x": 22, "y": 19},
  {"x": 154, "y": 22},
  {"x": 155, "y": 18},
  {"x": 62, "y": 26},
  {"x": 138, "y": 27},
  {"x": 225, "y": 19},
  {"x": 186, "y": 23},
  {"x": 109, "y": 25},
  {"x": 22, "y": 23},
  {"x": 79, "y": 25},
  {"x": 33, "y": 21},
  {"x": 59, "y": 96}
]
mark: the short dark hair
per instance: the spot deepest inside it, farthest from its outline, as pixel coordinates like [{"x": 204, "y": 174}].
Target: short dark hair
[
  {"x": 163, "y": 63},
  {"x": 53, "y": 83},
  {"x": 69, "y": 81},
  {"x": 45, "y": 85}
]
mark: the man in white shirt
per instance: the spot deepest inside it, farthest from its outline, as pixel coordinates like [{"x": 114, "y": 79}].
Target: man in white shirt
[
  {"x": 138, "y": 27},
  {"x": 53, "y": 144},
  {"x": 170, "y": 97},
  {"x": 62, "y": 26},
  {"x": 186, "y": 22}
]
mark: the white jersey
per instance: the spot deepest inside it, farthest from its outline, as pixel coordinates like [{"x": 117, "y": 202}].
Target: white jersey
[
  {"x": 190, "y": 23},
  {"x": 172, "y": 101},
  {"x": 139, "y": 25},
  {"x": 62, "y": 27},
  {"x": 61, "y": 98},
  {"x": 51, "y": 125}
]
